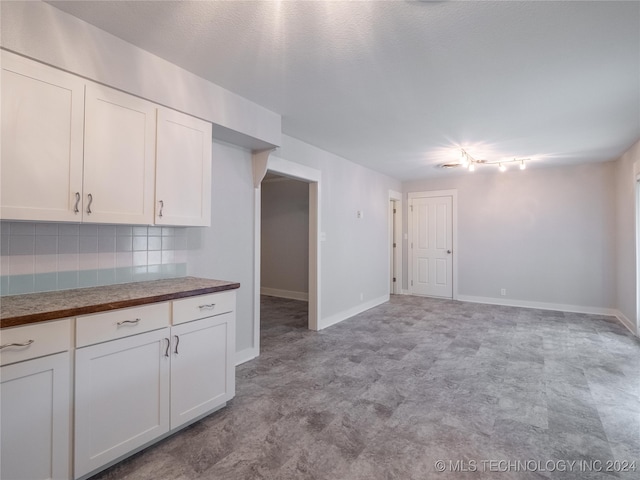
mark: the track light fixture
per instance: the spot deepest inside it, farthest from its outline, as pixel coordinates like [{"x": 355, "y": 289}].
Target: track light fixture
[{"x": 468, "y": 162}]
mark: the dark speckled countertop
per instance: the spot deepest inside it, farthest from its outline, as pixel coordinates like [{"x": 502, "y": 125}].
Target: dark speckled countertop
[{"x": 37, "y": 307}]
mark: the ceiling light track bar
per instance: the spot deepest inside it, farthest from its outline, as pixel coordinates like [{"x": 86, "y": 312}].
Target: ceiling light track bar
[{"x": 469, "y": 162}]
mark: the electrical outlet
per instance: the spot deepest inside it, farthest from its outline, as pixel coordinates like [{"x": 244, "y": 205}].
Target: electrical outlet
[
  {"x": 503, "y": 292},
  {"x": 359, "y": 214}
]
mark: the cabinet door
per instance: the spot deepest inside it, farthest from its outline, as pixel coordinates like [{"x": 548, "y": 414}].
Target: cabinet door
[
  {"x": 202, "y": 367},
  {"x": 42, "y": 139},
  {"x": 119, "y": 157},
  {"x": 35, "y": 408},
  {"x": 121, "y": 398},
  {"x": 183, "y": 176}
]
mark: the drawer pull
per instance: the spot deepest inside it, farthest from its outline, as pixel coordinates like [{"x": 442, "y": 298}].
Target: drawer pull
[
  {"x": 177, "y": 343},
  {"x": 166, "y": 352},
  {"x": 128, "y": 322},
  {"x": 25, "y": 344},
  {"x": 208, "y": 306}
]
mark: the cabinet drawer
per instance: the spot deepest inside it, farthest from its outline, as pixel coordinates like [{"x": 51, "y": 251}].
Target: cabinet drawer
[
  {"x": 40, "y": 339},
  {"x": 103, "y": 327},
  {"x": 203, "y": 306}
]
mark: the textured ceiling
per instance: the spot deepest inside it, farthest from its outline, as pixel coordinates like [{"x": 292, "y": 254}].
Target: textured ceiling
[{"x": 400, "y": 85}]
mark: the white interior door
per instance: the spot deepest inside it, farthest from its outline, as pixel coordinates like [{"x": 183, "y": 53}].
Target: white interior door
[
  {"x": 432, "y": 246},
  {"x": 391, "y": 242}
]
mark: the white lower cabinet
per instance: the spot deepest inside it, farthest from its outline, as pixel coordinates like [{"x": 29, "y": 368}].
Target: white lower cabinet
[
  {"x": 35, "y": 402},
  {"x": 200, "y": 377},
  {"x": 140, "y": 373},
  {"x": 131, "y": 390},
  {"x": 122, "y": 398}
]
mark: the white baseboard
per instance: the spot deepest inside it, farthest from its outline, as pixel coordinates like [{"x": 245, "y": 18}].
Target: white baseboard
[
  {"x": 290, "y": 294},
  {"x": 627, "y": 323},
  {"x": 339, "y": 317},
  {"x": 246, "y": 355},
  {"x": 561, "y": 307}
]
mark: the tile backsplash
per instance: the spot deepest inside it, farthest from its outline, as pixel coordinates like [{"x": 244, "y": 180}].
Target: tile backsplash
[{"x": 39, "y": 257}]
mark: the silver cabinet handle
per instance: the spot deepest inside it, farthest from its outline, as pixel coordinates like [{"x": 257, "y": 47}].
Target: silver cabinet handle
[
  {"x": 75, "y": 208},
  {"x": 208, "y": 306},
  {"x": 90, "y": 197},
  {"x": 24, "y": 344},
  {"x": 128, "y": 322},
  {"x": 161, "y": 207},
  {"x": 166, "y": 352},
  {"x": 177, "y": 343}
]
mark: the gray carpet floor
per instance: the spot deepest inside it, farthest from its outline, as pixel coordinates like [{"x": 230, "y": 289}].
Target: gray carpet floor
[{"x": 420, "y": 388}]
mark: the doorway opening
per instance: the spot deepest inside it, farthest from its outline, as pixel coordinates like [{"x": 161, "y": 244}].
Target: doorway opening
[
  {"x": 264, "y": 162},
  {"x": 395, "y": 243},
  {"x": 284, "y": 256}
]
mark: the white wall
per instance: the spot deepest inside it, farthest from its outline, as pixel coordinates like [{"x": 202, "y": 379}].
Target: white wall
[
  {"x": 40, "y": 31},
  {"x": 354, "y": 258},
  {"x": 626, "y": 169},
  {"x": 546, "y": 235},
  {"x": 225, "y": 250},
  {"x": 285, "y": 237}
]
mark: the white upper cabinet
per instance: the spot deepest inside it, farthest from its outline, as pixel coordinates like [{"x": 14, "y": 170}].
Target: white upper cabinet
[
  {"x": 76, "y": 151},
  {"x": 119, "y": 157},
  {"x": 42, "y": 142},
  {"x": 183, "y": 170}
]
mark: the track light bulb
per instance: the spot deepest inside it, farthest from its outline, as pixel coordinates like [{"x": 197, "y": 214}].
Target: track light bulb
[
  {"x": 464, "y": 159},
  {"x": 501, "y": 167},
  {"x": 472, "y": 167},
  {"x": 522, "y": 165}
]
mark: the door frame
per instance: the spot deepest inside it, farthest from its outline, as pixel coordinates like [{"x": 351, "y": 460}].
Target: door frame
[
  {"x": 637, "y": 207},
  {"x": 264, "y": 161},
  {"x": 397, "y": 234},
  {"x": 453, "y": 193}
]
